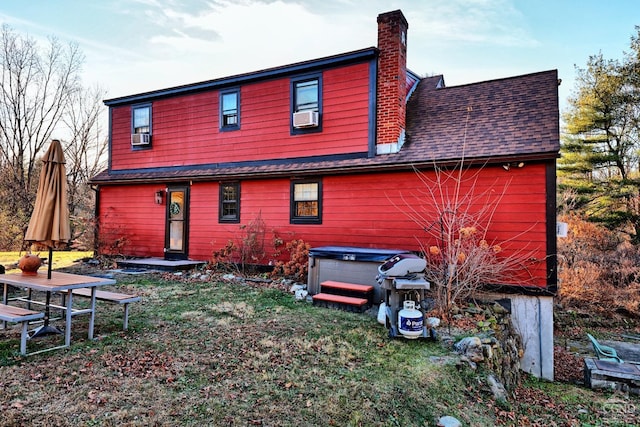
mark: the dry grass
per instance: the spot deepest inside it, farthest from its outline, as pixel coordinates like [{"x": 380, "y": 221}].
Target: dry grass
[
  {"x": 212, "y": 352},
  {"x": 599, "y": 273},
  {"x": 61, "y": 259}
]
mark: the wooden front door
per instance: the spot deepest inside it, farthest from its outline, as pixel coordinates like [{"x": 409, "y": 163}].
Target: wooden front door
[{"x": 177, "y": 223}]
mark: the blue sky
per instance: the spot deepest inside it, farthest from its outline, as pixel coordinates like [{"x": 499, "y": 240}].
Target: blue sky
[{"x": 134, "y": 46}]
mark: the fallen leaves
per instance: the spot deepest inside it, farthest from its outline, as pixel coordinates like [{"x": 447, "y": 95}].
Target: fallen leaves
[
  {"x": 147, "y": 364},
  {"x": 568, "y": 367},
  {"x": 273, "y": 363}
]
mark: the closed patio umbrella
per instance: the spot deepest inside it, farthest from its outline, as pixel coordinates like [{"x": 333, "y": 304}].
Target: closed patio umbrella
[{"x": 49, "y": 224}]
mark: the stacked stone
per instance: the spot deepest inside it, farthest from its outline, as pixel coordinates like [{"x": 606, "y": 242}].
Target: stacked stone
[{"x": 498, "y": 346}]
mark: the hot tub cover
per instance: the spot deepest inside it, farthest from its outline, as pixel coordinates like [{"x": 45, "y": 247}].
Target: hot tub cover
[{"x": 350, "y": 253}]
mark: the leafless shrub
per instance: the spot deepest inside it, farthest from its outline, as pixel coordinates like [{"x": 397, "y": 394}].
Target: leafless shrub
[
  {"x": 245, "y": 250},
  {"x": 114, "y": 240},
  {"x": 251, "y": 242},
  {"x": 222, "y": 259},
  {"x": 456, "y": 215}
]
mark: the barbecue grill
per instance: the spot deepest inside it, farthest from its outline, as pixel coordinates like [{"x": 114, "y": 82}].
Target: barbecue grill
[{"x": 401, "y": 278}]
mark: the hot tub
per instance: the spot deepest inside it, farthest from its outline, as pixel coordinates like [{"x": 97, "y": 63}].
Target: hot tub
[{"x": 347, "y": 264}]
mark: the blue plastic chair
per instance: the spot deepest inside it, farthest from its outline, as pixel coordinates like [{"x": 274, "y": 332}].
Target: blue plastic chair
[{"x": 604, "y": 352}]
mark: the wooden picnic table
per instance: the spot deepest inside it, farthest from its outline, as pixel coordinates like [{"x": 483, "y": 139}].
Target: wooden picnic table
[{"x": 58, "y": 283}]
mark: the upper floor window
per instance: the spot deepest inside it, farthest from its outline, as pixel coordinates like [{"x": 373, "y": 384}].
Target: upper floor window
[
  {"x": 306, "y": 202},
  {"x": 230, "y": 109},
  {"x": 229, "y": 207},
  {"x": 306, "y": 104},
  {"x": 141, "y": 126},
  {"x": 141, "y": 120},
  {"x": 306, "y": 95}
]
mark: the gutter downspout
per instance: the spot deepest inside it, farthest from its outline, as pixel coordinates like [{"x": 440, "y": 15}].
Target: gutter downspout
[{"x": 96, "y": 227}]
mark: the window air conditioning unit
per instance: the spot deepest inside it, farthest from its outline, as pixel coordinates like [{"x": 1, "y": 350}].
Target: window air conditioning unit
[
  {"x": 140, "y": 139},
  {"x": 305, "y": 119}
]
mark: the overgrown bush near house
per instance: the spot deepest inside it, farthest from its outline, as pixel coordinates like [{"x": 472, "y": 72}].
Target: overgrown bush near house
[
  {"x": 246, "y": 249},
  {"x": 222, "y": 259},
  {"x": 597, "y": 270},
  {"x": 582, "y": 282},
  {"x": 251, "y": 243},
  {"x": 297, "y": 267},
  {"x": 585, "y": 240},
  {"x": 85, "y": 227}
]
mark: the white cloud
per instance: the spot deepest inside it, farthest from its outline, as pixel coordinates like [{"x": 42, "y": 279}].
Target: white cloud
[
  {"x": 495, "y": 22},
  {"x": 142, "y": 45},
  {"x": 256, "y": 34},
  {"x": 236, "y": 37}
]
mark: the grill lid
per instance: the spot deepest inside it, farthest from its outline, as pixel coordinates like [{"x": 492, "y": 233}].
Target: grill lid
[{"x": 401, "y": 265}]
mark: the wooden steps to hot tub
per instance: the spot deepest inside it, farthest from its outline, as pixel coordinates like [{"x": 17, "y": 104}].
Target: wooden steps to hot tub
[{"x": 344, "y": 296}]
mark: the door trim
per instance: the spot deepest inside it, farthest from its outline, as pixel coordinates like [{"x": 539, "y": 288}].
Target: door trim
[{"x": 182, "y": 253}]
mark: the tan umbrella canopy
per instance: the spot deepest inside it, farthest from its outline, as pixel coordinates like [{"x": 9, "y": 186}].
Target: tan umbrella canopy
[{"x": 49, "y": 224}]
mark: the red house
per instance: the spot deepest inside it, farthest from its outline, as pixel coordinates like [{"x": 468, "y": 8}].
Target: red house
[{"x": 327, "y": 151}]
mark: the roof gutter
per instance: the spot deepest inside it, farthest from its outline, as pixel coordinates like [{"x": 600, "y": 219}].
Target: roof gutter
[{"x": 168, "y": 176}]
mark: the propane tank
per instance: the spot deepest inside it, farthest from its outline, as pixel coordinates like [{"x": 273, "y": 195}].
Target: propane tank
[
  {"x": 382, "y": 313},
  {"x": 410, "y": 320}
]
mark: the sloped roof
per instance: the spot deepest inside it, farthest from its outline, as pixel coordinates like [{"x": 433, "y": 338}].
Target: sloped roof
[
  {"x": 515, "y": 116},
  {"x": 508, "y": 119}
]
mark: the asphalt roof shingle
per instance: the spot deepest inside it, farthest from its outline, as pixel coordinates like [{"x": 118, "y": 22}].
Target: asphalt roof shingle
[{"x": 508, "y": 117}]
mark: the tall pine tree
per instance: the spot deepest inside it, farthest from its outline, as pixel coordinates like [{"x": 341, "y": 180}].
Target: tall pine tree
[{"x": 601, "y": 148}]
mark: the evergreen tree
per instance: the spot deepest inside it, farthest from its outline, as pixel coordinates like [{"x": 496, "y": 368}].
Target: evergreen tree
[{"x": 601, "y": 148}]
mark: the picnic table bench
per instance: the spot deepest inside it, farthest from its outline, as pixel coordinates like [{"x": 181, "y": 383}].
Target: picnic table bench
[
  {"x": 112, "y": 297},
  {"x": 9, "y": 313}
]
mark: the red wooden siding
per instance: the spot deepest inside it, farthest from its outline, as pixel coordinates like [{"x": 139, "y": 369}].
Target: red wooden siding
[
  {"x": 130, "y": 214},
  {"x": 185, "y": 129},
  {"x": 358, "y": 210}
]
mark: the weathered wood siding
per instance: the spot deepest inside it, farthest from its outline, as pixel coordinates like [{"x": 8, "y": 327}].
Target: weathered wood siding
[
  {"x": 366, "y": 210},
  {"x": 185, "y": 129}
]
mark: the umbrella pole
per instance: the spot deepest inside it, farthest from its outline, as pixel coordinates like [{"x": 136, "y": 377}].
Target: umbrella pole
[
  {"x": 50, "y": 263},
  {"x": 45, "y": 329}
]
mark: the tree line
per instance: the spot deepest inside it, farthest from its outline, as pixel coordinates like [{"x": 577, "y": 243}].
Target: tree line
[
  {"x": 42, "y": 98},
  {"x": 599, "y": 170}
]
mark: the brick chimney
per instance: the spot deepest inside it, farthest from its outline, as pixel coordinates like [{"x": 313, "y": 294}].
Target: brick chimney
[{"x": 392, "y": 82}]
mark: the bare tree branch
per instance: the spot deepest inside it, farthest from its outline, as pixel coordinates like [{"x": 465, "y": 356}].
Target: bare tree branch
[{"x": 37, "y": 85}]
